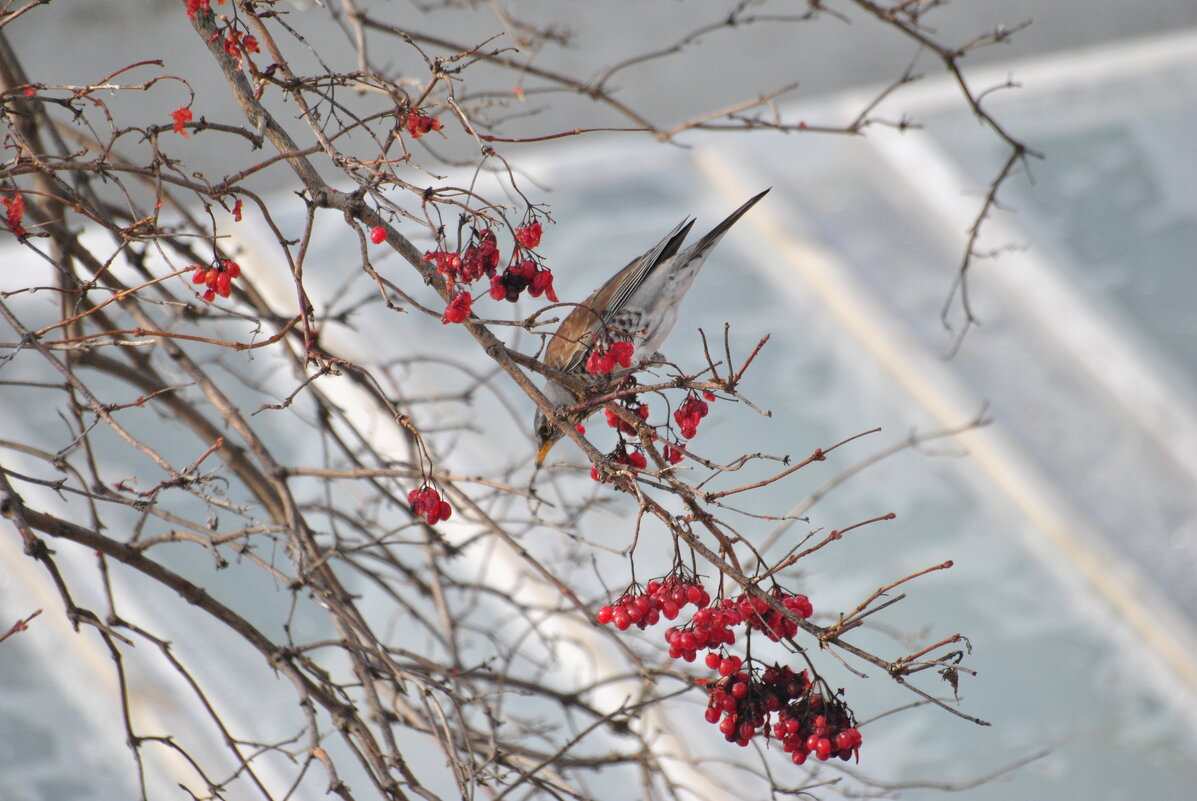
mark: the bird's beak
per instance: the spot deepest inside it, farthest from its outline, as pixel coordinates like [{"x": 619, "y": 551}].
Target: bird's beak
[{"x": 544, "y": 451}]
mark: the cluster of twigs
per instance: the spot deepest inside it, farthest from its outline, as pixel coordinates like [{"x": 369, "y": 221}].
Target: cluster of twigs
[{"x": 254, "y": 433}]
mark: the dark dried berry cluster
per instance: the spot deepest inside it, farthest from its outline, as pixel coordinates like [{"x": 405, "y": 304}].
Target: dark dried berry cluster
[
  {"x": 665, "y": 597},
  {"x": 522, "y": 275},
  {"x": 742, "y": 705},
  {"x": 741, "y": 702}
]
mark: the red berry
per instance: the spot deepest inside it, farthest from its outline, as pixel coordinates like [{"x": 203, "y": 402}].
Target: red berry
[
  {"x": 377, "y": 234},
  {"x": 529, "y": 235},
  {"x": 823, "y": 749},
  {"x": 604, "y": 615},
  {"x": 713, "y": 660}
]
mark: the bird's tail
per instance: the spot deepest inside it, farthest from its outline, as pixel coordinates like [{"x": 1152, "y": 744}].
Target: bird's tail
[{"x": 711, "y": 239}]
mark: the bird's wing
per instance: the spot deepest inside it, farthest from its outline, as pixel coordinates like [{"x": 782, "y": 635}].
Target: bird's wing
[
  {"x": 631, "y": 277},
  {"x": 581, "y": 327},
  {"x": 584, "y": 324}
]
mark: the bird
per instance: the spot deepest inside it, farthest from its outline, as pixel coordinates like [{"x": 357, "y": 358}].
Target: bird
[{"x": 639, "y": 303}]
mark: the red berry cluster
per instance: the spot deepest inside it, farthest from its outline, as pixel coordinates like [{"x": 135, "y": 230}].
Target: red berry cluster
[
  {"x": 614, "y": 420},
  {"x": 712, "y": 627},
  {"x": 743, "y": 700},
  {"x": 817, "y": 725},
  {"x": 426, "y": 502},
  {"x": 633, "y": 459},
  {"x": 528, "y": 235},
  {"x": 765, "y": 618},
  {"x": 691, "y": 412},
  {"x": 14, "y": 213},
  {"x": 236, "y": 45},
  {"x": 662, "y": 597},
  {"x": 219, "y": 278},
  {"x": 482, "y": 258},
  {"x": 194, "y": 6},
  {"x": 419, "y": 123},
  {"x": 604, "y": 361},
  {"x": 521, "y": 275},
  {"x": 673, "y": 454},
  {"x": 459, "y": 308}
]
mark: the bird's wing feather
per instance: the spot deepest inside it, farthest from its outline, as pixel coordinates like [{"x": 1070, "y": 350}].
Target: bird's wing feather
[
  {"x": 584, "y": 324},
  {"x": 569, "y": 351},
  {"x": 629, "y": 283}
]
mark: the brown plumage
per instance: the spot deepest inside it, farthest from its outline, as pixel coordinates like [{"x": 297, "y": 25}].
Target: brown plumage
[{"x": 639, "y": 303}]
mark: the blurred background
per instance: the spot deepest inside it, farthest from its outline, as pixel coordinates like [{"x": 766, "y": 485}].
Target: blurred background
[{"x": 1071, "y": 515}]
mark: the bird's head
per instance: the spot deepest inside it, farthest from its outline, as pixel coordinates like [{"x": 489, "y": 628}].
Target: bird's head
[
  {"x": 547, "y": 435},
  {"x": 547, "y": 432}
]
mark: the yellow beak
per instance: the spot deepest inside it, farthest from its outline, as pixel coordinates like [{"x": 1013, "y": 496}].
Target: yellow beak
[{"x": 544, "y": 451}]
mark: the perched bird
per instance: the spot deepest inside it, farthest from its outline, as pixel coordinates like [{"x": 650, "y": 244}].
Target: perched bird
[{"x": 639, "y": 303}]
